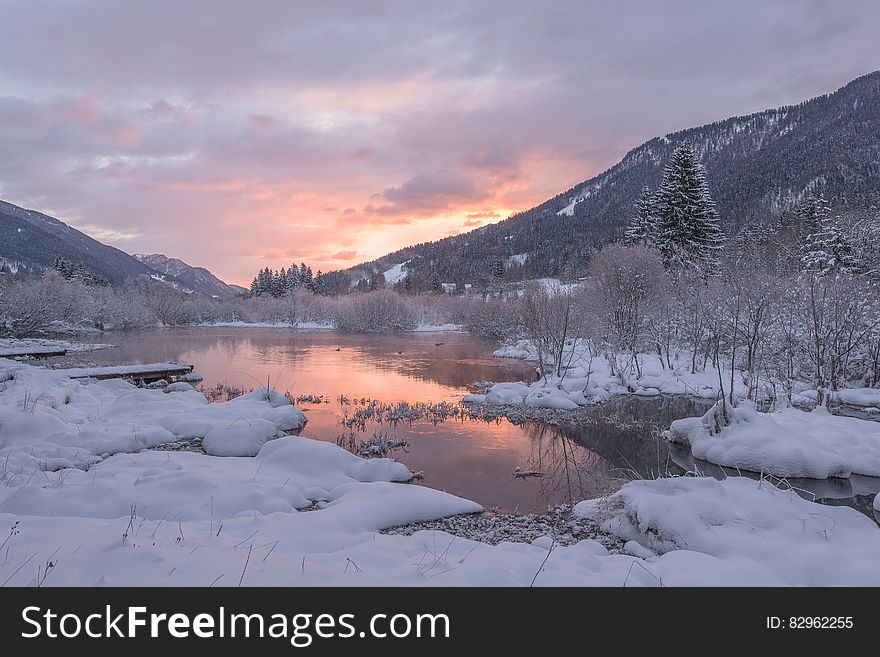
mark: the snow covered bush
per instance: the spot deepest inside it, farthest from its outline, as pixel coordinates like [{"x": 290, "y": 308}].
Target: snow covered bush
[
  {"x": 381, "y": 311},
  {"x": 627, "y": 280},
  {"x": 30, "y": 306}
]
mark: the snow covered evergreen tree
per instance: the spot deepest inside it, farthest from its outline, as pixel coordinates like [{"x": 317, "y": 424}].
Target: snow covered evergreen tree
[
  {"x": 305, "y": 276},
  {"x": 643, "y": 227},
  {"x": 263, "y": 284},
  {"x": 811, "y": 214},
  {"x": 436, "y": 284},
  {"x": 498, "y": 270},
  {"x": 688, "y": 231},
  {"x": 827, "y": 250}
]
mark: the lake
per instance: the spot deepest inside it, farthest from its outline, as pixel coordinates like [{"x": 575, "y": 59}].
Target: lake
[{"x": 351, "y": 374}]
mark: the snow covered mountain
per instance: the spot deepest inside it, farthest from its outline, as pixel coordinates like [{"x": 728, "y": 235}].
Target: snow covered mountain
[
  {"x": 198, "y": 279},
  {"x": 759, "y": 167},
  {"x": 30, "y": 240}
]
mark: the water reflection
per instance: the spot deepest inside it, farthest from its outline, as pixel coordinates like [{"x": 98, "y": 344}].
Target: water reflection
[{"x": 612, "y": 443}]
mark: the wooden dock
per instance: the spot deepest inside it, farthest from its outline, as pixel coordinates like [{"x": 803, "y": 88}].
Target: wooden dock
[
  {"x": 139, "y": 374},
  {"x": 32, "y": 352}
]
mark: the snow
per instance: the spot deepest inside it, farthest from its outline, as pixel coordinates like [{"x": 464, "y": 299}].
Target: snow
[
  {"x": 121, "y": 370},
  {"x": 587, "y": 382},
  {"x": 180, "y": 386},
  {"x": 866, "y": 397},
  {"x": 322, "y": 326},
  {"x": 28, "y": 344},
  {"x": 741, "y": 532},
  {"x": 786, "y": 443},
  {"x": 85, "y": 490},
  {"x": 311, "y": 326},
  {"x": 438, "y": 328},
  {"x": 568, "y": 210},
  {"x": 395, "y": 274},
  {"x": 517, "y": 259}
]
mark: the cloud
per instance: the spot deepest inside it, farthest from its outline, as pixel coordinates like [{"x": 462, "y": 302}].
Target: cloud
[
  {"x": 484, "y": 214},
  {"x": 232, "y": 136},
  {"x": 429, "y": 193}
]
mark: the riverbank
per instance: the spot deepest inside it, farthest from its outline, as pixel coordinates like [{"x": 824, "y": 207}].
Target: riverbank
[{"x": 84, "y": 490}]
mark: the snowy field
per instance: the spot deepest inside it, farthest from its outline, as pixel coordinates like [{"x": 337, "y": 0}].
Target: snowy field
[{"x": 85, "y": 501}]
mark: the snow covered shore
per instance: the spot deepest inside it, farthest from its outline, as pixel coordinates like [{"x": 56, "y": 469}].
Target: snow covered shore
[
  {"x": 26, "y": 344},
  {"x": 82, "y": 491},
  {"x": 786, "y": 443},
  {"x": 326, "y": 326},
  {"x": 591, "y": 380}
]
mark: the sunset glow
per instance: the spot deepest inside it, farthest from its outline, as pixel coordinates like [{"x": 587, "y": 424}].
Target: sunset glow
[{"x": 335, "y": 133}]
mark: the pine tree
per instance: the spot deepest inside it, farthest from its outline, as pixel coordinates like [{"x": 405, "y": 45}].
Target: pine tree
[
  {"x": 498, "y": 270},
  {"x": 320, "y": 283},
  {"x": 293, "y": 277},
  {"x": 62, "y": 267},
  {"x": 688, "y": 232},
  {"x": 643, "y": 227},
  {"x": 263, "y": 283},
  {"x": 436, "y": 284},
  {"x": 811, "y": 214},
  {"x": 827, "y": 250}
]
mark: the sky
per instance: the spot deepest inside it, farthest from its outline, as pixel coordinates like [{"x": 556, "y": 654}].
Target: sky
[{"x": 240, "y": 135}]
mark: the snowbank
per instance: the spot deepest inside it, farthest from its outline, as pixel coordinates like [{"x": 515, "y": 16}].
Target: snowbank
[
  {"x": 82, "y": 490},
  {"x": 787, "y": 443},
  {"x": 705, "y": 529},
  {"x": 589, "y": 380},
  {"x": 49, "y": 421},
  {"x": 864, "y": 397},
  {"x": 438, "y": 328},
  {"x": 9, "y": 345},
  {"x": 312, "y": 326}
]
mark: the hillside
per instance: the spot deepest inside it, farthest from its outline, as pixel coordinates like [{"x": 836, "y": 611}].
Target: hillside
[
  {"x": 759, "y": 166},
  {"x": 198, "y": 279},
  {"x": 30, "y": 241}
]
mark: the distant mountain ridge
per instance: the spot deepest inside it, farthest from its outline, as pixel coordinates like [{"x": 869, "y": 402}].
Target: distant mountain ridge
[
  {"x": 31, "y": 241},
  {"x": 759, "y": 167},
  {"x": 198, "y": 279}
]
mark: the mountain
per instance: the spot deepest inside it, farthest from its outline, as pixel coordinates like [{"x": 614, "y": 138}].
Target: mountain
[
  {"x": 759, "y": 167},
  {"x": 198, "y": 279},
  {"x": 30, "y": 240}
]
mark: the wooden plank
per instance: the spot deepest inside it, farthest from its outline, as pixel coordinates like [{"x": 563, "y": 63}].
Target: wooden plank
[
  {"x": 33, "y": 352},
  {"x": 145, "y": 372}
]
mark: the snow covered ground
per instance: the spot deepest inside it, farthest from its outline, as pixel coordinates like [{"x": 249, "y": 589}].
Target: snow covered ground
[
  {"x": 438, "y": 328},
  {"x": 23, "y": 344},
  {"x": 590, "y": 381},
  {"x": 740, "y": 532},
  {"x": 84, "y": 501},
  {"x": 313, "y": 326},
  {"x": 320, "y": 326},
  {"x": 785, "y": 443}
]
